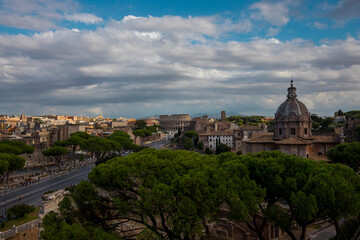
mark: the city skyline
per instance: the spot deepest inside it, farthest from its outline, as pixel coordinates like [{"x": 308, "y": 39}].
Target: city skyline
[{"x": 137, "y": 59}]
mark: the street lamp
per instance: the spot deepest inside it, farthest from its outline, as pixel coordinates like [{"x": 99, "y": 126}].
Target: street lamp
[{"x": 5, "y": 197}]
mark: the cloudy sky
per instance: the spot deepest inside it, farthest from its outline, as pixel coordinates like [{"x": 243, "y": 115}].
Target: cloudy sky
[{"x": 135, "y": 58}]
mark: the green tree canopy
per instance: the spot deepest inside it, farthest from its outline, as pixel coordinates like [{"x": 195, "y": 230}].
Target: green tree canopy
[
  {"x": 57, "y": 228},
  {"x": 9, "y": 161},
  {"x": 188, "y": 143},
  {"x": 24, "y": 148},
  {"x": 221, "y": 148},
  {"x": 120, "y": 134},
  {"x": 122, "y": 138},
  {"x": 172, "y": 194},
  {"x": 56, "y": 152},
  {"x": 19, "y": 211},
  {"x": 310, "y": 189},
  {"x": 177, "y": 194},
  {"x": 355, "y": 114},
  {"x": 152, "y": 129},
  {"x": 142, "y": 132},
  {"x": 357, "y": 130},
  {"x": 191, "y": 134},
  {"x": 102, "y": 148},
  {"x": 83, "y": 135},
  {"x": 140, "y": 124},
  {"x": 8, "y": 164},
  {"x": 200, "y": 145},
  {"x": 346, "y": 153},
  {"x": 208, "y": 151},
  {"x": 5, "y": 148}
]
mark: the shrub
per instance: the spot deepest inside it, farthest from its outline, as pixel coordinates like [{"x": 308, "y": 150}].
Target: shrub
[{"x": 19, "y": 211}]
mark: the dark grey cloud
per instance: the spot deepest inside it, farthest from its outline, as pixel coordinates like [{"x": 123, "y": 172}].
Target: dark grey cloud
[
  {"x": 40, "y": 15},
  {"x": 137, "y": 69},
  {"x": 345, "y": 9}
]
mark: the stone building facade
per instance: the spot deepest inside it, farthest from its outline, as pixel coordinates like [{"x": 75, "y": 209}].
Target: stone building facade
[
  {"x": 211, "y": 138},
  {"x": 175, "y": 122},
  {"x": 292, "y": 134}
]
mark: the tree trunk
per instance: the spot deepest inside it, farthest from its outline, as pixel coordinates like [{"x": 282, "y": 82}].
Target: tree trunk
[
  {"x": 339, "y": 232},
  {"x": 303, "y": 232},
  {"x": 58, "y": 162},
  {"x": 290, "y": 233},
  {"x": 73, "y": 154},
  {"x": 258, "y": 229},
  {"x": 7, "y": 177}
]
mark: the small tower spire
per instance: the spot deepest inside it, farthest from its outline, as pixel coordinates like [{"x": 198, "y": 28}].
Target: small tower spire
[{"x": 291, "y": 90}]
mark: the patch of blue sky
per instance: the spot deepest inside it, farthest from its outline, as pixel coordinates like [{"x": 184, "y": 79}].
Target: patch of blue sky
[{"x": 159, "y": 8}]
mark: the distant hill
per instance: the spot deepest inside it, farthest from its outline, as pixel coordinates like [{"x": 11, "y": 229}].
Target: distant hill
[
  {"x": 210, "y": 115},
  {"x": 216, "y": 115}
]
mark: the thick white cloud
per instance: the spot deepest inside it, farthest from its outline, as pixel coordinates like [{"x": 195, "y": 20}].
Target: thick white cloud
[
  {"x": 275, "y": 13},
  {"x": 83, "y": 17},
  {"x": 143, "y": 66}
]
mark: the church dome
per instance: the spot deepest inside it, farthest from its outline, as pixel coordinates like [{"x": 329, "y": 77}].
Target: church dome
[{"x": 292, "y": 104}]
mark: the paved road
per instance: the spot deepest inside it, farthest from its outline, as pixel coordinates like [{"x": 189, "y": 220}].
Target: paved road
[
  {"x": 32, "y": 194},
  {"x": 158, "y": 145},
  {"x": 324, "y": 234}
]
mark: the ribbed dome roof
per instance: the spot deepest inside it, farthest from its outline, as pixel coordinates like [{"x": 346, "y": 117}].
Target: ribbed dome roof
[{"x": 291, "y": 104}]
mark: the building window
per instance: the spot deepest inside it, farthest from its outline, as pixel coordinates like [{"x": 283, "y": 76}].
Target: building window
[
  {"x": 280, "y": 131},
  {"x": 292, "y": 131},
  {"x": 305, "y": 131}
]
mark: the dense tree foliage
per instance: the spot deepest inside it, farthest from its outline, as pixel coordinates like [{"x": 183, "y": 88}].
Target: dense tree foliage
[
  {"x": 248, "y": 120},
  {"x": 24, "y": 148},
  {"x": 56, "y": 152},
  {"x": 200, "y": 145},
  {"x": 101, "y": 148},
  {"x": 9, "y": 159},
  {"x": 321, "y": 124},
  {"x": 191, "y": 134},
  {"x": 8, "y": 164},
  {"x": 310, "y": 189},
  {"x": 73, "y": 142},
  {"x": 156, "y": 194},
  {"x": 353, "y": 114},
  {"x": 123, "y": 139},
  {"x": 140, "y": 124},
  {"x": 188, "y": 143},
  {"x": 5, "y": 148},
  {"x": 208, "y": 151},
  {"x": 222, "y": 148},
  {"x": 346, "y": 153},
  {"x": 57, "y": 228},
  {"x": 19, "y": 211},
  {"x": 357, "y": 130},
  {"x": 142, "y": 132},
  {"x": 169, "y": 194}
]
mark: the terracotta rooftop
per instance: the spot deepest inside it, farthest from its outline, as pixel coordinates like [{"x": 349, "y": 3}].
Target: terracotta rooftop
[
  {"x": 258, "y": 134},
  {"x": 323, "y": 139},
  {"x": 229, "y": 133},
  {"x": 251, "y": 128},
  {"x": 262, "y": 139},
  {"x": 269, "y": 138},
  {"x": 293, "y": 141}
]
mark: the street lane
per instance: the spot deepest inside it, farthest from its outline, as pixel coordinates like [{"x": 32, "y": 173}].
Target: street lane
[{"x": 32, "y": 194}]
